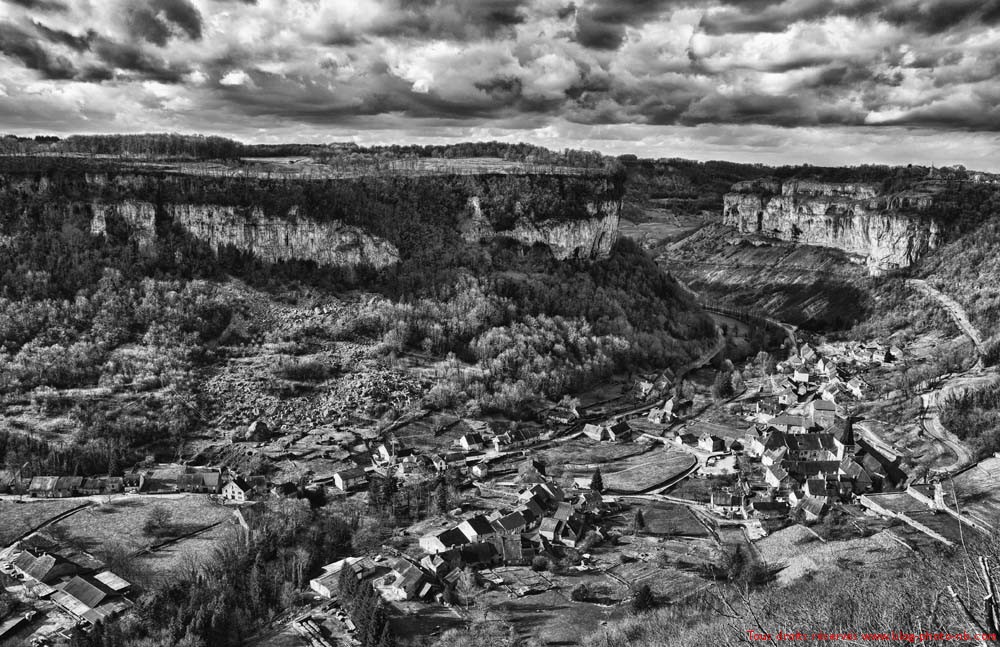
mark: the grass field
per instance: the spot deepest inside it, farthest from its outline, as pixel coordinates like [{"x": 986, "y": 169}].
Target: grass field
[
  {"x": 644, "y": 472},
  {"x": 121, "y": 523},
  {"x": 18, "y": 518},
  {"x": 584, "y": 453},
  {"x": 671, "y": 519},
  {"x": 798, "y": 552}
]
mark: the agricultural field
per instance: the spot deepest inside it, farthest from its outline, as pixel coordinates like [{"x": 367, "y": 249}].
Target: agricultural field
[
  {"x": 18, "y": 518},
  {"x": 122, "y": 522},
  {"x": 585, "y": 453},
  {"x": 644, "y": 472}
]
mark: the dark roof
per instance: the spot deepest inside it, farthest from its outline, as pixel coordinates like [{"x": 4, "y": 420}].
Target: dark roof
[
  {"x": 452, "y": 537},
  {"x": 84, "y": 591},
  {"x": 513, "y": 521},
  {"x": 480, "y": 525}
]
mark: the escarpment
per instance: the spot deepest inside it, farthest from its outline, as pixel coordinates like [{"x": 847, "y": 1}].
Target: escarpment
[
  {"x": 590, "y": 237},
  {"x": 884, "y": 230},
  {"x": 341, "y": 222}
]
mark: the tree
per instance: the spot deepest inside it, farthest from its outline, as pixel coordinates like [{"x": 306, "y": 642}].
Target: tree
[
  {"x": 157, "y": 521},
  {"x": 597, "y": 481},
  {"x": 643, "y": 600},
  {"x": 639, "y": 522},
  {"x": 722, "y": 388},
  {"x": 580, "y": 593}
]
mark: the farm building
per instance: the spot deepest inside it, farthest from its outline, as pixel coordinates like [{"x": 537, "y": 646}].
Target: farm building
[
  {"x": 240, "y": 489},
  {"x": 711, "y": 443},
  {"x": 471, "y": 441},
  {"x": 349, "y": 479},
  {"x": 200, "y": 482}
]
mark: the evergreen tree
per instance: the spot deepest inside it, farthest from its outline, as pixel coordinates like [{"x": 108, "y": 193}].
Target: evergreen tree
[
  {"x": 643, "y": 600},
  {"x": 597, "y": 481}
]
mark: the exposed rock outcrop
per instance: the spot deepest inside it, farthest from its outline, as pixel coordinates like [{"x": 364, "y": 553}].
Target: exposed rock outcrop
[
  {"x": 885, "y": 231},
  {"x": 585, "y": 238},
  {"x": 269, "y": 239}
]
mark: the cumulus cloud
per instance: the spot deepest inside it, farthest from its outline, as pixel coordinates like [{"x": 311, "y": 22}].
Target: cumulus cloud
[{"x": 475, "y": 67}]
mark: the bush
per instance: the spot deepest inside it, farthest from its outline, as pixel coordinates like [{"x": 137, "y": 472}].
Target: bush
[
  {"x": 157, "y": 521},
  {"x": 539, "y": 563},
  {"x": 580, "y": 593}
]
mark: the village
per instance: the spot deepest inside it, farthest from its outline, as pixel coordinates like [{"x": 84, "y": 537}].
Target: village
[{"x": 598, "y": 498}]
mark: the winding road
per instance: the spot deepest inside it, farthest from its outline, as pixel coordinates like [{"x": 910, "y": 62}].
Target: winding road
[{"x": 952, "y": 307}]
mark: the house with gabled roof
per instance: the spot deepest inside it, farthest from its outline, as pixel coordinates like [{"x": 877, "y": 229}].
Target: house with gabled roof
[
  {"x": 471, "y": 441},
  {"x": 510, "y": 524},
  {"x": 477, "y": 528},
  {"x": 551, "y": 528},
  {"x": 620, "y": 432},
  {"x": 350, "y": 479},
  {"x": 444, "y": 540}
]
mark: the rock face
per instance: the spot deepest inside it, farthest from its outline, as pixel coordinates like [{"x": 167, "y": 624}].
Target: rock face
[
  {"x": 884, "y": 231},
  {"x": 282, "y": 239},
  {"x": 584, "y": 238},
  {"x": 269, "y": 239}
]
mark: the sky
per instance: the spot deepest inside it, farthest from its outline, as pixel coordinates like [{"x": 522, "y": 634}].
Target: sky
[{"x": 772, "y": 81}]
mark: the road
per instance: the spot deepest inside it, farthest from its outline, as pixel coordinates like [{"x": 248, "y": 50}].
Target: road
[
  {"x": 956, "y": 312},
  {"x": 930, "y": 419}
]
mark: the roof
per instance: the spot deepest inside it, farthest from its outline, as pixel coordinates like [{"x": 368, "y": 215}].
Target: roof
[
  {"x": 512, "y": 521},
  {"x": 473, "y": 438},
  {"x": 823, "y": 405},
  {"x": 112, "y": 581},
  {"x": 452, "y": 537},
  {"x": 813, "y": 505},
  {"x": 550, "y": 524},
  {"x": 84, "y": 591},
  {"x": 352, "y": 473},
  {"x": 620, "y": 427},
  {"x": 479, "y": 525},
  {"x": 43, "y": 483},
  {"x": 564, "y": 511}
]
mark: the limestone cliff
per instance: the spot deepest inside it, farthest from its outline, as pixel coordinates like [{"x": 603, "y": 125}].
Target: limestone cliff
[
  {"x": 269, "y": 239},
  {"x": 885, "y": 231},
  {"x": 584, "y": 238}
]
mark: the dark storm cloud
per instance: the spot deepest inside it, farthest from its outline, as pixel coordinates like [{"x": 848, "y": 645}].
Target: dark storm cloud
[
  {"x": 459, "y": 19},
  {"x": 24, "y": 47},
  {"x": 941, "y": 15},
  {"x": 40, "y": 5},
  {"x": 135, "y": 62},
  {"x": 156, "y": 21},
  {"x": 79, "y": 43},
  {"x": 602, "y": 24}
]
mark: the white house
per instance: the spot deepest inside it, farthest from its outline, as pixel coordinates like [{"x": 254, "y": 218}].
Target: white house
[{"x": 350, "y": 479}]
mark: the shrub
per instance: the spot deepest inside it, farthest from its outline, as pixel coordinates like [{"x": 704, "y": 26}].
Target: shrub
[{"x": 539, "y": 563}]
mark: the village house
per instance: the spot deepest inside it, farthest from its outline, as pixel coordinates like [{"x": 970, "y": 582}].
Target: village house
[
  {"x": 573, "y": 532},
  {"x": 726, "y": 500},
  {"x": 822, "y": 413},
  {"x": 405, "y": 582},
  {"x": 711, "y": 443},
  {"x": 350, "y": 479},
  {"x": 620, "y": 432},
  {"x": 662, "y": 415},
  {"x": 812, "y": 508},
  {"x": 241, "y": 489},
  {"x": 101, "y": 485},
  {"x": 471, "y": 442},
  {"x": 200, "y": 482},
  {"x": 328, "y": 583},
  {"x": 776, "y": 476},
  {"x": 515, "y": 439},
  {"x": 561, "y": 415},
  {"x": 477, "y": 528},
  {"x": 443, "y": 541},
  {"x": 800, "y": 376},
  {"x": 595, "y": 432},
  {"x": 807, "y": 353},
  {"x": 450, "y": 460},
  {"x": 515, "y": 550},
  {"x": 769, "y": 509},
  {"x": 551, "y": 528},
  {"x": 134, "y": 482},
  {"x": 790, "y": 424},
  {"x": 510, "y": 524}
]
